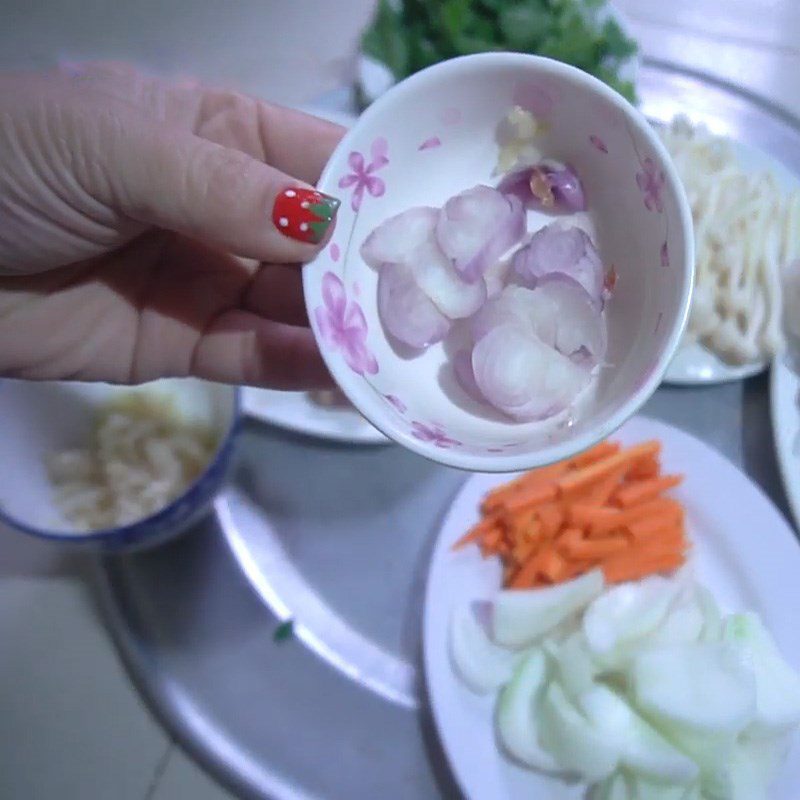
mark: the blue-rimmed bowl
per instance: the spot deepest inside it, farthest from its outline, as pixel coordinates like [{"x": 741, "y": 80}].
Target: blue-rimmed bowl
[{"x": 43, "y": 418}]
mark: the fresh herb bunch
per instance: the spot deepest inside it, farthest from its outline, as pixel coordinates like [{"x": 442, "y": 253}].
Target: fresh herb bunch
[{"x": 410, "y": 35}]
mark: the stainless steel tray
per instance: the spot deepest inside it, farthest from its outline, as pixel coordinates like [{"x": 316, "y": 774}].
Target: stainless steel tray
[{"x": 339, "y": 539}]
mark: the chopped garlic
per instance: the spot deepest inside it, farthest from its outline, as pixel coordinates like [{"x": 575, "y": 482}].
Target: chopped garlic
[{"x": 518, "y": 141}]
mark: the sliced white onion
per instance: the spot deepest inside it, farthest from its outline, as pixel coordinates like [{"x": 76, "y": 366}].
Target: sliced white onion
[
  {"x": 522, "y": 377},
  {"x": 560, "y": 249},
  {"x": 406, "y": 312},
  {"x": 706, "y": 687},
  {"x": 477, "y": 227},
  {"x": 437, "y": 277},
  {"x": 518, "y": 717},
  {"x": 397, "y": 237},
  {"x": 628, "y": 612},
  {"x": 481, "y": 664}
]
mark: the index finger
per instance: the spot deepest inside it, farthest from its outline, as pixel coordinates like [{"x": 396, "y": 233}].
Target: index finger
[{"x": 296, "y": 143}]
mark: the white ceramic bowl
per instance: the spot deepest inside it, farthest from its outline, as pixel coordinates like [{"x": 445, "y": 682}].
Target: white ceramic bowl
[
  {"x": 42, "y": 418},
  {"x": 434, "y": 135}
]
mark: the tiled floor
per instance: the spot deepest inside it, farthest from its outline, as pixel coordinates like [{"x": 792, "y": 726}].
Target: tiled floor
[{"x": 71, "y": 725}]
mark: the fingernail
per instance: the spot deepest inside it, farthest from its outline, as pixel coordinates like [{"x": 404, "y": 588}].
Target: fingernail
[{"x": 304, "y": 214}]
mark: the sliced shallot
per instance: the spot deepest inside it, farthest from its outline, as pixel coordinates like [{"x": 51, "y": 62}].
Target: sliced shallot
[
  {"x": 496, "y": 276},
  {"x": 523, "y": 377},
  {"x": 477, "y": 227},
  {"x": 549, "y": 185},
  {"x": 395, "y": 238},
  {"x": 409, "y": 239},
  {"x": 580, "y": 329},
  {"x": 565, "y": 249},
  {"x": 558, "y": 311},
  {"x": 462, "y": 366},
  {"x": 531, "y": 311},
  {"x": 406, "y": 312},
  {"x": 437, "y": 277}
]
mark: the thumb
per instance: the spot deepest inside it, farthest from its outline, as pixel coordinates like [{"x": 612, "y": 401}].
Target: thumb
[{"x": 180, "y": 182}]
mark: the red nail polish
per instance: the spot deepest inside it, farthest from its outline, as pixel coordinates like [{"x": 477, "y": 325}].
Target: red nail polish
[{"x": 304, "y": 214}]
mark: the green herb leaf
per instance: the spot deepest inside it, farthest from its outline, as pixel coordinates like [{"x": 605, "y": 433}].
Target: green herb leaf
[
  {"x": 615, "y": 42},
  {"x": 409, "y": 35},
  {"x": 284, "y": 631},
  {"x": 384, "y": 39},
  {"x": 525, "y": 25}
]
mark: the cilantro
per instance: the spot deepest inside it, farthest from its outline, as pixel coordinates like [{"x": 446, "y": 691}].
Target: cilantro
[
  {"x": 409, "y": 35},
  {"x": 384, "y": 39}
]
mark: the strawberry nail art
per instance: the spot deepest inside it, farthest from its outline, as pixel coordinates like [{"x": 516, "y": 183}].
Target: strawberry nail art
[{"x": 304, "y": 214}]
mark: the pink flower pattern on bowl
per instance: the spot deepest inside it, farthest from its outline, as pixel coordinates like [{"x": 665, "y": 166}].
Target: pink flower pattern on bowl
[
  {"x": 650, "y": 182},
  {"x": 395, "y": 401},
  {"x": 434, "y": 434},
  {"x": 361, "y": 177},
  {"x": 343, "y": 327},
  {"x": 429, "y": 144}
]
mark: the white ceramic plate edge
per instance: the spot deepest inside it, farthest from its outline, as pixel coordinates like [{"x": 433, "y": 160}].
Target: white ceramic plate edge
[
  {"x": 784, "y": 397},
  {"x": 695, "y": 365},
  {"x": 296, "y": 412}
]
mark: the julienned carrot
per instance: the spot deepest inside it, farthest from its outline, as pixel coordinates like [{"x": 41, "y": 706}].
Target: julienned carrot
[
  {"x": 604, "y": 508},
  {"x": 585, "y": 476},
  {"x": 552, "y": 565},
  {"x": 594, "y": 454},
  {"x": 611, "y": 519},
  {"x": 569, "y": 537},
  {"x": 538, "y": 476},
  {"x": 531, "y": 496},
  {"x": 653, "y": 525},
  {"x": 527, "y": 573},
  {"x": 630, "y": 567},
  {"x": 596, "y": 549},
  {"x": 641, "y": 491},
  {"x": 551, "y": 517},
  {"x": 599, "y": 494},
  {"x": 644, "y": 468},
  {"x": 476, "y": 532}
]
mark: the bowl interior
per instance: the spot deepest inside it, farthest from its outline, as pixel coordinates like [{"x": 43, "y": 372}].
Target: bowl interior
[
  {"x": 52, "y": 416},
  {"x": 435, "y": 135}
]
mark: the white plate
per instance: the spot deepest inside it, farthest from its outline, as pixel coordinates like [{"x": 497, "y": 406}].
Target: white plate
[
  {"x": 784, "y": 398},
  {"x": 693, "y": 364},
  {"x": 297, "y": 411},
  {"x": 743, "y": 550}
]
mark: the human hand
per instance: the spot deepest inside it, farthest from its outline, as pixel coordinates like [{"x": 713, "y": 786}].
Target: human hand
[{"x": 139, "y": 236}]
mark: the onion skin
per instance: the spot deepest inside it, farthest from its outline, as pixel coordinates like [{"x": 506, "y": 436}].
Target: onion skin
[{"x": 547, "y": 186}]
